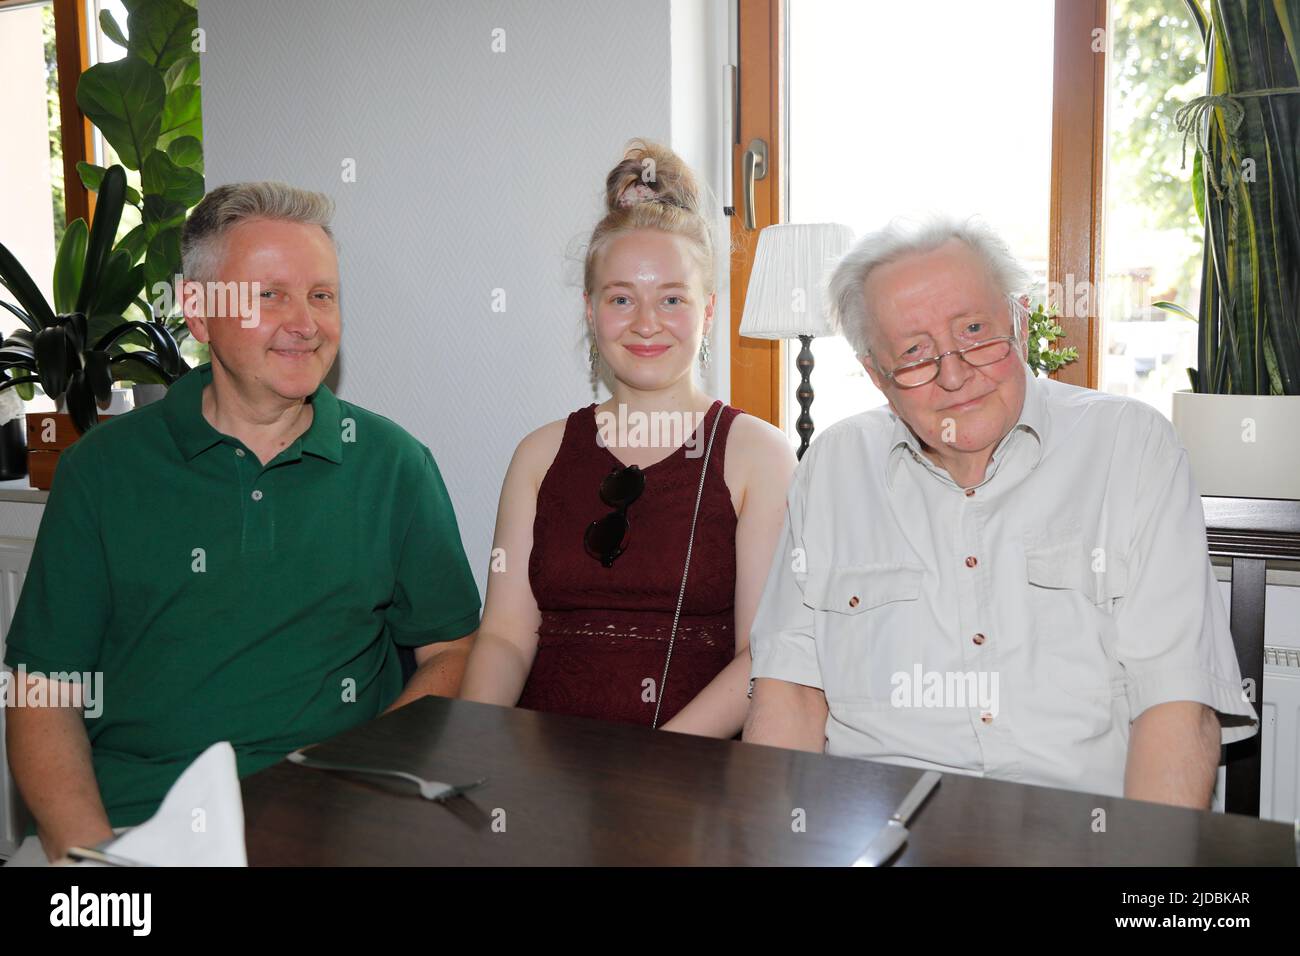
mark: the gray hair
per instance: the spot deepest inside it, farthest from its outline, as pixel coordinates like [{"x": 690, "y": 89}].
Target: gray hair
[
  {"x": 850, "y": 312},
  {"x": 203, "y": 235}
]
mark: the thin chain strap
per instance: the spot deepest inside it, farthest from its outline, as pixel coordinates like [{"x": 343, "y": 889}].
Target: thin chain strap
[{"x": 681, "y": 594}]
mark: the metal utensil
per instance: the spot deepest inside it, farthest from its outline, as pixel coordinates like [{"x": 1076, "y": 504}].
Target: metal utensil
[
  {"x": 893, "y": 834},
  {"x": 91, "y": 855},
  {"x": 429, "y": 789}
]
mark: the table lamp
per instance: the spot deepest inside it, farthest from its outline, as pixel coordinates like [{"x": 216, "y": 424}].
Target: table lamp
[{"x": 787, "y": 296}]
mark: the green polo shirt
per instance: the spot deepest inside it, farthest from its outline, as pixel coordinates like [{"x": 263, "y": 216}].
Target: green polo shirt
[{"x": 223, "y": 599}]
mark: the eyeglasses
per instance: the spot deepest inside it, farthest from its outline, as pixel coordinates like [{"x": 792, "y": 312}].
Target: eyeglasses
[
  {"x": 606, "y": 538},
  {"x": 916, "y": 374}
]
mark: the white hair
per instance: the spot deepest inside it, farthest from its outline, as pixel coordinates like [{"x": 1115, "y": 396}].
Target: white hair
[
  {"x": 203, "y": 235},
  {"x": 854, "y": 317}
]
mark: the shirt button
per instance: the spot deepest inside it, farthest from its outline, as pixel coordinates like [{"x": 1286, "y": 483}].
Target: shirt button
[
  {"x": 853, "y": 601},
  {"x": 239, "y": 452},
  {"x": 257, "y": 495},
  {"x": 970, "y": 492},
  {"x": 987, "y": 718},
  {"x": 978, "y": 638},
  {"x": 971, "y": 561}
]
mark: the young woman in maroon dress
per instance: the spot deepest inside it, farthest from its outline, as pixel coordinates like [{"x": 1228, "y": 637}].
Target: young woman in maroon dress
[{"x": 603, "y": 513}]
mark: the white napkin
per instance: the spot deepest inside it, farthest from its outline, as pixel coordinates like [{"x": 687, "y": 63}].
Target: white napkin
[{"x": 200, "y": 821}]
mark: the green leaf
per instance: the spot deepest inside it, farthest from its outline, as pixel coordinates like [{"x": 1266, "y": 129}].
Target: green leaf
[
  {"x": 99, "y": 377},
  {"x": 1198, "y": 186},
  {"x": 111, "y": 29},
  {"x": 134, "y": 242},
  {"x": 186, "y": 151},
  {"x": 162, "y": 214},
  {"x": 163, "y": 258},
  {"x": 69, "y": 263},
  {"x": 108, "y": 213},
  {"x": 92, "y": 176},
  {"x": 15, "y": 278},
  {"x": 54, "y": 360},
  {"x": 80, "y": 402},
  {"x": 143, "y": 368},
  {"x": 182, "y": 115},
  {"x": 119, "y": 286},
  {"x": 161, "y": 177},
  {"x": 124, "y": 99},
  {"x": 183, "y": 72},
  {"x": 25, "y": 387},
  {"x": 161, "y": 31},
  {"x": 1175, "y": 308}
]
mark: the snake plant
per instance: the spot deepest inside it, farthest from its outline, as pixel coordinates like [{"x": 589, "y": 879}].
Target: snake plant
[
  {"x": 1246, "y": 186},
  {"x": 75, "y": 349}
]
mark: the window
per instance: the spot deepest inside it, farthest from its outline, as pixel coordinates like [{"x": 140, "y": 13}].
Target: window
[
  {"x": 1153, "y": 238},
  {"x": 898, "y": 109}
]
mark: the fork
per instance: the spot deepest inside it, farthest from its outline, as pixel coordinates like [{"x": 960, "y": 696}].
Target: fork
[{"x": 429, "y": 789}]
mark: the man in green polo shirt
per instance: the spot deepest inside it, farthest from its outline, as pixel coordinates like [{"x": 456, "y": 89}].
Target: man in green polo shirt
[{"x": 241, "y": 560}]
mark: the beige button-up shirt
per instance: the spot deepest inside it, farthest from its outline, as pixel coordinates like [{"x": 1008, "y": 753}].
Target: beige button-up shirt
[{"x": 1015, "y": 629}]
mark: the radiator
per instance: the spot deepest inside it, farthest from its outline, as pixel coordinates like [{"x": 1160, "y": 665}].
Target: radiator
[{"x": 1279, "y": 789}]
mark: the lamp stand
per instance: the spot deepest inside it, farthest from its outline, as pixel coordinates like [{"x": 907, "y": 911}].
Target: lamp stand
[{"x": 804, "y": 393}]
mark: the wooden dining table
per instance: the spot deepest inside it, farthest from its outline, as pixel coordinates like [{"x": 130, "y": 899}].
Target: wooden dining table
[{"x": 571, "y": 791}]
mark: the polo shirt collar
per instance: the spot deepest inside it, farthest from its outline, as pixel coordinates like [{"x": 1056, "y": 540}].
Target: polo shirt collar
[
  {"x": 193, "y": 434},
  {"x": 1032, "y": 424}
]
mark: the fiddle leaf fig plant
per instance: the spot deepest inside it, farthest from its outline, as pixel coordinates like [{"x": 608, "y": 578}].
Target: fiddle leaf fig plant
[
  {"x": 147, "y": 105},
  {"x": 75, "y": 349}
]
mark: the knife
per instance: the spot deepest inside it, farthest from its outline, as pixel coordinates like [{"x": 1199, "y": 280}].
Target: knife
[{"x": 893, "y": 834}]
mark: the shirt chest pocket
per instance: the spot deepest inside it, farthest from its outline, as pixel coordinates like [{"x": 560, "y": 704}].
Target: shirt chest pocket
[
  {"x": 1073, "y": 588},
  {"x": 866, "y": 628},
  {"x": 1064, "y": 560}
]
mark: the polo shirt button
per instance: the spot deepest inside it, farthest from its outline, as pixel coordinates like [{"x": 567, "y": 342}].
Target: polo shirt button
[
  {"x": 987, "y": 718},
  {"x": 978, "y": 638},
  {"x": 257, "y": 495},
  {"x": 971, "y": 561},
  {"x": 853, "y": 601},
  {"x": 970, "y": 492},
  {"x": 239, "y": 452}
]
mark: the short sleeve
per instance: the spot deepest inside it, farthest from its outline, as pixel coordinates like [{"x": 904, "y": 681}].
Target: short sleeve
[
  {"x": 66, "y": 600},
  {"x": 435, "y": 597},
  {"x": 1173, "y": 637},
  {"x": 781, "y": 640}
]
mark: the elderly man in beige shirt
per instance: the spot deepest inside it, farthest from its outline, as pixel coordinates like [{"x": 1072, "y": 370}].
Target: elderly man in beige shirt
[{"x": 996, "y": 574}]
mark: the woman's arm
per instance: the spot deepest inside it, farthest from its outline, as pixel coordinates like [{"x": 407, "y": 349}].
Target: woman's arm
[
  {"x": 503, "y": 647},
  {"x": 759, "y": 466}
]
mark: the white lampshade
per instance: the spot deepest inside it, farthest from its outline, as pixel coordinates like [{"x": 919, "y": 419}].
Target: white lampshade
[{"x": 787, "y": 287}]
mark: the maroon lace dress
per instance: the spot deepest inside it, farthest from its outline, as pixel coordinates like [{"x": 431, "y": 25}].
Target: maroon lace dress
[{"x": 604, "y": 631}]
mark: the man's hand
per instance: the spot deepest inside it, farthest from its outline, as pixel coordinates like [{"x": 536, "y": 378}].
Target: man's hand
[
  {"x": 1173, "y": 755},
  {"x": 49, "y": 754},
  {"x": 441, "y": 668}
]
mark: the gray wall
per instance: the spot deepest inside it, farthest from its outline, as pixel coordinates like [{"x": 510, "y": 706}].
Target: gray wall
[{"x": 475, "y": 171}]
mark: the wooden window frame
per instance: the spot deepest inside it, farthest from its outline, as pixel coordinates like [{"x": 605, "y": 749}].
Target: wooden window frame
[{"x": 1077, "y": 196}]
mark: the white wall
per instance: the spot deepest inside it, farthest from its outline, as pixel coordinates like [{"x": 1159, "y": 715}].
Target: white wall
[{"x": 475, "y": 171}]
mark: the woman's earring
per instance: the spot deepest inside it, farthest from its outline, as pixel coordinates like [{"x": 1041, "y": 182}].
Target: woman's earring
[
  {"x": 593, "y": 356},
  {"x": 705, "y": 355}
]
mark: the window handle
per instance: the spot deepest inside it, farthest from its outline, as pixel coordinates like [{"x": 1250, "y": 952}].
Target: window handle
[{"x": 752, "y": 166}]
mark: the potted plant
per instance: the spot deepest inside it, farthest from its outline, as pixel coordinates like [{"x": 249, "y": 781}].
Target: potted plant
[
  {"x": 1042, "y": 330},
  {"x": 148, "y": 106},
  {"x": 75, "y": 349},
  {"x": 1238, "y": 422}
]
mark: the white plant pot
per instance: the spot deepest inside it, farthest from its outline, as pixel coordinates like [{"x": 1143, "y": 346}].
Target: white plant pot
[{"x": 1241, "y": 446}]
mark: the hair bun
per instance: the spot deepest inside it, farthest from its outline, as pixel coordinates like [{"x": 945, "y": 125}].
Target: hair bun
[{"x": 650, "y": 172}]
